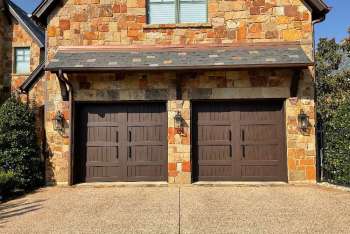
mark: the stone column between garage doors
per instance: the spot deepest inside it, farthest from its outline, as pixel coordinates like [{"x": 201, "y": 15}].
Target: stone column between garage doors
[{"x": 179, "y": 144}]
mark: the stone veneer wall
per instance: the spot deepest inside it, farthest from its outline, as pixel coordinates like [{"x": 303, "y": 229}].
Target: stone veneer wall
[
  {"x": 13, "y": 35},
  {"x": 123, "y": 23},
  {"x": 142, "y": 86},
  {"x": 20, "y": 38}
]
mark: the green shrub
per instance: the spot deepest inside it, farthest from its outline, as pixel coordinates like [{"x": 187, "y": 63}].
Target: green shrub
[
  {"x": 7, "y": 182},
  {"x": 337, "y": 145},
  {"x": 19, "y": 150},
  {"x": 333, "y": 107}
]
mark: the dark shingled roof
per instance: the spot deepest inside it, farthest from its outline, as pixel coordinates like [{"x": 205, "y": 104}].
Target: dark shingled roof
[
  {"x": 28, "y": 24},
  {"x": 84, "y": 59},
  {"x": 29, "y": 83}
]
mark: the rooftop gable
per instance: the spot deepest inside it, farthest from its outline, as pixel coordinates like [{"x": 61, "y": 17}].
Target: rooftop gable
[{"x": 26, "y": 22}]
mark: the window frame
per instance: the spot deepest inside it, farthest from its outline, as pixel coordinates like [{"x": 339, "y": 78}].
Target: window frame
[
  {"x": 15, "y": 59},
  {"x": 177, "y": 13}
]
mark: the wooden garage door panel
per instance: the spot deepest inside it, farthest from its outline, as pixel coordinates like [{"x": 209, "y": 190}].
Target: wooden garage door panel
[
  {"x": 213, "y": 134},
  {"x": 238, "y": 141},
  {"x": 145, "y": 113},
  {"x": 260, "y": 172},
  {"x": 122, "y": 142},
  {"x": 214, "y": 153},
  {"x": 147, "y": 134},
  {"x": 260, "y": 132},
  {"x": 217, "y": 172},
  {"x": 102, "y": 154},
  {"x": 146, "y": 172},
  {"x": 147, "y": 156},
  {"x": 264, "y": 112},
  {"x": 262, "y": 152},
  {"x": 103, "y": 173}
]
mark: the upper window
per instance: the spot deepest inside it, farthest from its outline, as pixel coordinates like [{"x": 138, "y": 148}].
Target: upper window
[
  {"x": 177, "y": 11},
  {"x": 22, "y": 60}
]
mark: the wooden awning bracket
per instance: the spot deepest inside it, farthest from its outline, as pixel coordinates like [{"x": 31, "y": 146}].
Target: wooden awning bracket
[
  {"x": 294, "y": 87},
  {"x": 63, "y": 86}
]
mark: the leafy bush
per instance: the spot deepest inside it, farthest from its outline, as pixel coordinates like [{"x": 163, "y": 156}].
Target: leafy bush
[
  {"x": 7, "y": 182},
  {"x": 19, "y": 150},
  {"x": 337, "y": 146},
  {"x": 333, "y": 107}
]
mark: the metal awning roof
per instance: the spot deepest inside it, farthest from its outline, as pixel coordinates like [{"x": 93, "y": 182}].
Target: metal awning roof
[{"x": 139, "y": 59}]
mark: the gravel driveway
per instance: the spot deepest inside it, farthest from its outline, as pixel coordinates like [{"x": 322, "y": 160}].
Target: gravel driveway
[{"x": 282, "y": 209}]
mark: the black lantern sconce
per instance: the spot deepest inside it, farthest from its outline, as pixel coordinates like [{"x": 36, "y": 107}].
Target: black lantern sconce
[
  {"x": 303, "y": 121},
  {"x": 178, "y": 123},
  {"x": 58, "y": 122}
]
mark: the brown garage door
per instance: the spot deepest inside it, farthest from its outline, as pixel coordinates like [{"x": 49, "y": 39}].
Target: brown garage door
[
  {"x": 239, "y": 141},
  {"x": 121, "y": 142}
]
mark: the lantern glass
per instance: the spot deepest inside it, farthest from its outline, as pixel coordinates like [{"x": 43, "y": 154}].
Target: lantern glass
[
  {"x": 303, "y": 121},
  {"x": 58, "y": 121},
  {"x": 178, "y": 120}
]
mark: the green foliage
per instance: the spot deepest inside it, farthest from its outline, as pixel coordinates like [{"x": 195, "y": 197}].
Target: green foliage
[
  {"x": 333, "y": 107},
  {"x": 337, "y": 145},
  {"x": 7, "y": 182},
  {"x": 19, "y": 150}
]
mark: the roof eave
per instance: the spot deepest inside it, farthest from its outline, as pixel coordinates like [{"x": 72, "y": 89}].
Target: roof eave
[
  {"x": 13, "y": 12},
  {"x": 44, "y": 7},
  {"x": 33, "y": 78},
  {"x": 176, "y": 68},
  {"x": 319, "y": 9}
]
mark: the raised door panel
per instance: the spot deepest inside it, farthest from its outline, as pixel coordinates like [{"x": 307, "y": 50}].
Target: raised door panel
[
  {"x": 212, "y": 144},
  {"x": 147, "y": 132},
  {"x": 238, "y": 141},
  {"x": 103, "y": 134},
  {"x": 261, "y": 142}
]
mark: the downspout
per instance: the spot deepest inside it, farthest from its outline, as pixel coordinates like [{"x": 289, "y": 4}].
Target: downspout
[
  {"x": 319, "y": 153},
  {"x": 61, "y": 77}
]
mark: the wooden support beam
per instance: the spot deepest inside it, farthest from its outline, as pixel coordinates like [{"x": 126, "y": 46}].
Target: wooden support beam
[
  {"x": 294, "y": 87},
  {"x": 63, "y": 87}
]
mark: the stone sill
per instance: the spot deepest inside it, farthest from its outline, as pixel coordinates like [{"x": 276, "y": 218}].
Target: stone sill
[
  {"x": 175, "y": 26},
  {"x": 16, "y": 74}
]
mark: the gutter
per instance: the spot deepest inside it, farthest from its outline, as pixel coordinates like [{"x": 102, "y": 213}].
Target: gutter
[{"x": 62, "y": 78}]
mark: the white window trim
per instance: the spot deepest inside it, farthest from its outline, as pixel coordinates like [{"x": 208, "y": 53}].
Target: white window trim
[
  {"x": 14, "y": 68},
  {"x": 177, "y": 14}
]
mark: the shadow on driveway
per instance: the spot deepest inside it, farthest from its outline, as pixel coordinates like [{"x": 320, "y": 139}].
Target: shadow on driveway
[{"x": 18, "y": 208}]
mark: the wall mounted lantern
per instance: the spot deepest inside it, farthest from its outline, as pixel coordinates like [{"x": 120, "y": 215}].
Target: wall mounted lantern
[
  {"x": 58, "y": 122},
  {"x": 178, "y": 122},
  {"x": 303, "y": 121}
]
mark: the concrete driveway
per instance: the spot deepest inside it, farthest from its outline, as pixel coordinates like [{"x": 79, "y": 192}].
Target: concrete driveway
[{"x": 282, "y": 209}]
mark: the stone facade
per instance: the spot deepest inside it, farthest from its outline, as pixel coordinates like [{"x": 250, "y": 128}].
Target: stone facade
[
  {"x": 20, "y": 38},
  {"x": 250, "y": 84},
  {"x": 13, "y": 35},
  {"x": 123, "y": 23}
]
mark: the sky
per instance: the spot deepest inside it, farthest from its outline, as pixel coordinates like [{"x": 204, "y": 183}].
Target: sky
[{"x": 335, "y": 25}]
